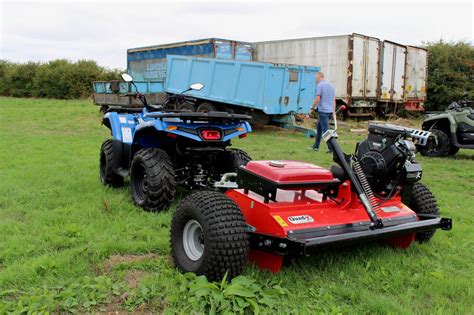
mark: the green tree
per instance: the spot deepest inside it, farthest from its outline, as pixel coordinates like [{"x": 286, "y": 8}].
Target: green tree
[{"x": 450, "y": 73}]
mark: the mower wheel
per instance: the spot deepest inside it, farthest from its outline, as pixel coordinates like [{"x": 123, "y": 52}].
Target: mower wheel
[
  {"x": 438, "y": 144},
  {"x": 106, "y": 160},
  {"x": 423, "y": 202},
  {"x": 208, "y": 236},
  {"x": 206, "y": 108},
  {"x": 152, "y": 179},
  {"x": 233, "y": 158}
]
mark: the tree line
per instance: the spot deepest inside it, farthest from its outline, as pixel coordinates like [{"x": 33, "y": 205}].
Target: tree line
[
  {"x": 450, "y": 75},
  {"x": 60, "y": 79}
]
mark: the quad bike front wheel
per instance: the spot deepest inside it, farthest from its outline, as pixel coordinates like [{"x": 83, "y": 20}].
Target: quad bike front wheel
[
  {"x": 438, "y": 144},
  {"x": 423, "y": 202},
  {"x": 208, "y": 236},
  {"x": 106, "y": 160},
  {"x": 152, "y": 179}
]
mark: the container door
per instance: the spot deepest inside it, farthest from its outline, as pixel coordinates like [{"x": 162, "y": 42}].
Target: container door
[
  {"x": 291, "y": 93},
  {"x": 399, "y": 73},
  {"x": 393, "y": 72},
  {"x": 416, "y": 72},
  {"x": 358, "y": 66},
  {"x": 365, "y": 67},
  {"x": 223, "y": 50}
]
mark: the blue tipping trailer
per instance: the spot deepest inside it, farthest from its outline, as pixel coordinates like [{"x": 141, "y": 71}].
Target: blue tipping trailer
[
  {"x": 267, "y": 91},
  {"x": 272, "y": 89}
]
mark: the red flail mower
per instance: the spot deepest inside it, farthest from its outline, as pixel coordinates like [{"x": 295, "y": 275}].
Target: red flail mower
[{"x": 276, "y": 209}]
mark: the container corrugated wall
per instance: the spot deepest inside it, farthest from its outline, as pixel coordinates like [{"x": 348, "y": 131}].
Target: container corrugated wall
[
  {"x": 329, "y": 53},
  {"x": 349, "y": 62}
]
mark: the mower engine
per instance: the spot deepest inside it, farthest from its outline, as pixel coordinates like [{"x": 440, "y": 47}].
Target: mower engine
[{"x": 387, "y": 157}]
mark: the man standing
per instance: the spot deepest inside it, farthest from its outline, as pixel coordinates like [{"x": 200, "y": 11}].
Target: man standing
[{"x": 325, "y": 105}]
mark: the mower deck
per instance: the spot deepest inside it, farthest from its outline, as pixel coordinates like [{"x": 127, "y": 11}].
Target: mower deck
[{"x": 290, "y": 214}]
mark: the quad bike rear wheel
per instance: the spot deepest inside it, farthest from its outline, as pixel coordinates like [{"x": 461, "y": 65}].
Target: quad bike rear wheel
[
  {"x": 423, "y": 202},
  {"x": 208, "y": 236},
  {"x": 152, "y": 179},
  {"x": 438, "y": 144},
  {"x": 233, "y": 158},
  {"x": 107, "y": 175}
]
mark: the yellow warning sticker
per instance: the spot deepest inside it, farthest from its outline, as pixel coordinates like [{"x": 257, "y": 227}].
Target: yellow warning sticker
[{"x": 280, "y": 220}]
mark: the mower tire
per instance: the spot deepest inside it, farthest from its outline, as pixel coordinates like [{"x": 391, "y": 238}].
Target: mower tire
[
  {"x": 106, "y": 161},
  {"x": 152, "y": 179},
  {"x": 208, "y": 236},
  {"x": 438, "y": 144},
  {"x": 423, "y": 202},
  {"x": 233, "y": 158},
  {"x": 206, "y": 108}
]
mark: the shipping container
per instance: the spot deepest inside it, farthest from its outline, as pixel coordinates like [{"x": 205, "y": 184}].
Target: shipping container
[
  {"x": 274, "y": 89},
  {"x": 349, "y": 62},
  {"x": 393, "y": 59},
  {"x": 416, "y": 74},
  {"x": 149, "y": 63}
]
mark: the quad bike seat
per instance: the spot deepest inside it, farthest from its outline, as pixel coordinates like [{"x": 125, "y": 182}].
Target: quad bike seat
[{"x": 265, "y": 177}]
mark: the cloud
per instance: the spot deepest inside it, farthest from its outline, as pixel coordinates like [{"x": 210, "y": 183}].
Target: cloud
[{"x": 102, "y": 31}]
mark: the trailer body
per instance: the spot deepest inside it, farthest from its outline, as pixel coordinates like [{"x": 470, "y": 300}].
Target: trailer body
[
  {"x": 149, "y": 63},
  {"x": 349, "y": 62},
  {"x": 274, "y": 89},
  {"x": 393, "y": 60}
]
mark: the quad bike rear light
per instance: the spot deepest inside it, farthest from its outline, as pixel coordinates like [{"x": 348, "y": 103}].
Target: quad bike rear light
[{"x": 210, "y": 134}]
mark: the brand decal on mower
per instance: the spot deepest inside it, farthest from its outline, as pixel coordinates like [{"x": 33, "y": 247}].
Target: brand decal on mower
[
  {"x": 300, "y": 219},
  {"x": 390, "y": 209}
]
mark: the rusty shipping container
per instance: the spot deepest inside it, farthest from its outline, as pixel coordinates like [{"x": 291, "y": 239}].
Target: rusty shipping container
[{"x": 350, "y": 62}]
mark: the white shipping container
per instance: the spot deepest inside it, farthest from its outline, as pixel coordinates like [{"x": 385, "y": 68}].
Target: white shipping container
[
  {"x": 416, "y": 73},
  {"x": 350, "y": 62},
  {"x": 393, "y": 58}
]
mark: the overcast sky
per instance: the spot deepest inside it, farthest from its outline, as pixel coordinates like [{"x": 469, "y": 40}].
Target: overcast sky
[{"x": 103, "y": 30}]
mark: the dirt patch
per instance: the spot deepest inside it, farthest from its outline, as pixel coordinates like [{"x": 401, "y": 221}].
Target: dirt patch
[
  {"x": 115, "y": 260},
  {"x": 132, "y": 277}
]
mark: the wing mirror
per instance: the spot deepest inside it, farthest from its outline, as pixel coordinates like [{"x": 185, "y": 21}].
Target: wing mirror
[
  {"x": 127, "y": 77},
  {"x": 196, "y": 86}
]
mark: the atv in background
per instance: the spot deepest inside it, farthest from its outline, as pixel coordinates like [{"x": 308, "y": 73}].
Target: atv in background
[
  {"x": 161, "y": 148},
  {"x": 451, "y": 130}
]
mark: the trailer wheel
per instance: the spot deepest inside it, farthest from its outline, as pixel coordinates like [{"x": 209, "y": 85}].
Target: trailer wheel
[
  {"x": 187, "y": 106},
  {"x": 152, "y": 179},
  {"x": 106, "y": 160},
  {"x": 438, "y": 144},
  {"x": 206, "y": 107},
  {"x": 423, "y": 202},
  {"x": 233, "y": 158},
  {"x": 208, "y": 236}
]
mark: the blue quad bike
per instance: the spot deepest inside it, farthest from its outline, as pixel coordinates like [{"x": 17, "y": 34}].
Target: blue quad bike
[{"x": 161, "y": 148}]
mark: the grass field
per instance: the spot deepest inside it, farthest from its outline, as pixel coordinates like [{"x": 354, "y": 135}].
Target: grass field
[{"x": 69, "y": 244}]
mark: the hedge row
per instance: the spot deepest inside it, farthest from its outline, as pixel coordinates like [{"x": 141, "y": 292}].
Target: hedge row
[{"x": 56, "y": 79}]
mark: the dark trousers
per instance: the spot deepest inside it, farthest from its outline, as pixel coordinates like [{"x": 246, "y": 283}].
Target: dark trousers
[{"x": 321, "y": 127}]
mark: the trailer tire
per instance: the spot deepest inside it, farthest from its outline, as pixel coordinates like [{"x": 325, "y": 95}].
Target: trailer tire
[
  {"x": 206, "y": 107},
  {"x": 208, "y": 236},
  {"x": 423, "y": 202},
  {"x": 152, "y": 179},
  {"x": 233, "y": 158},
  {"x": 187, "y": 106},
  {"x": 106, "y": 159}
]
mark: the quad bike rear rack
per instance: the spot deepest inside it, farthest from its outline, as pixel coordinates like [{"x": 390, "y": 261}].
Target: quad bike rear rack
[
  {"x": 195, "y": 116},
  {"x": 302, "y": 242}
]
